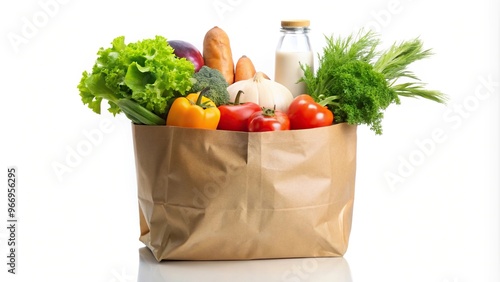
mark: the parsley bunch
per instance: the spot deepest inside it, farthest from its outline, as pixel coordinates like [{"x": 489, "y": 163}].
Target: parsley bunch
[{"x": 358, "y": 83}]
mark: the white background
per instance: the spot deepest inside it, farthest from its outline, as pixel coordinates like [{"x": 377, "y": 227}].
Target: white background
[{"x": 439, "y": 222}]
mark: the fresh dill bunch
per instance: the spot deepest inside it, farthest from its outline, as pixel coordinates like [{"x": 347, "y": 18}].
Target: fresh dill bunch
[
  {"x": 358, "y": 83},
  {"x": 393, "y": 64},
  {"x": 338, "y": 51}
]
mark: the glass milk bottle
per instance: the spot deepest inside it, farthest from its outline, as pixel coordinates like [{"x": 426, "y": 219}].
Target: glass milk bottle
[{"x": 293, "y": 48}]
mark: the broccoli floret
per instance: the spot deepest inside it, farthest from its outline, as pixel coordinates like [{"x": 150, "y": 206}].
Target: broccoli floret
[{"x": 212, "y": 78}]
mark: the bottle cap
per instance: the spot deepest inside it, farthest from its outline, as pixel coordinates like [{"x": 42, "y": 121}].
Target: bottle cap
[{"x": 295, "y": 23}]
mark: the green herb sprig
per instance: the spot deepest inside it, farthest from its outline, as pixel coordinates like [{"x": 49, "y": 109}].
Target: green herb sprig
[{"x": 358, "y": 82}]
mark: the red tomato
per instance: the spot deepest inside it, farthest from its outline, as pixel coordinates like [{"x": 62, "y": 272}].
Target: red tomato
[
  {"x": 268, "y": 120},
  {"x": 304, "y": 113}
]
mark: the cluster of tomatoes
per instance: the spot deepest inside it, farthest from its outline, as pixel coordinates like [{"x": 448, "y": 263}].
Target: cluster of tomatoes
[{"x": 302, "y": 113}]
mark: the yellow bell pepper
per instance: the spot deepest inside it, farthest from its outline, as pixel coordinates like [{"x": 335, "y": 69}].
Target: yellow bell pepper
[{"x": 194, "y": 110}]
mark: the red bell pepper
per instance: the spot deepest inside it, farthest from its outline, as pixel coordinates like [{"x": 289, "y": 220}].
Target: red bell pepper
[
  {"x": 235, "y": 116},
  {"x": 304, "y": 113}
]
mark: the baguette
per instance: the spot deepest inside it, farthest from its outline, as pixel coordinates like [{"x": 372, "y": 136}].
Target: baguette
[{"x": 217, "y": 53}]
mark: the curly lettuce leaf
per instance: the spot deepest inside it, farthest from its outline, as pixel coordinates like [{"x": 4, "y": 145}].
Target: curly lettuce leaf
[{"x": 147, "y": 72}]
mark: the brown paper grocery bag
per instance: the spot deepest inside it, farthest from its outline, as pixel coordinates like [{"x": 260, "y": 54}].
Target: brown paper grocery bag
[{"x": 223, "y": 195}]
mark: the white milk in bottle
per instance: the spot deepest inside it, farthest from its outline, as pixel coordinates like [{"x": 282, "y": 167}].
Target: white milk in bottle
[{"x": 293, "y": 49}]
